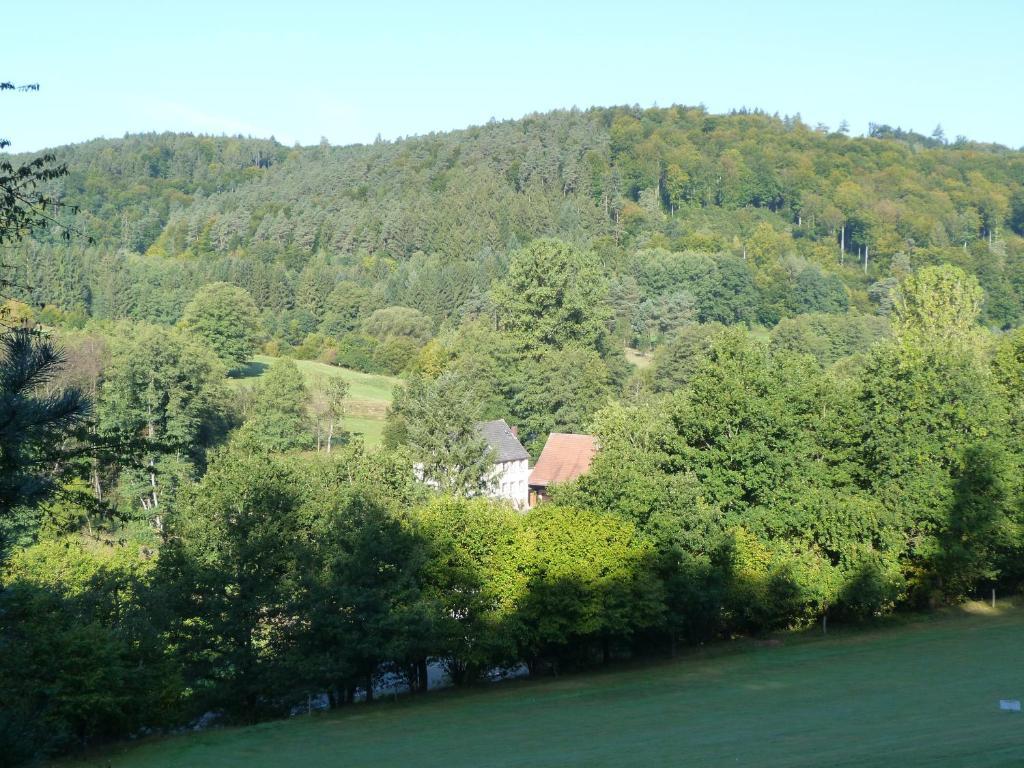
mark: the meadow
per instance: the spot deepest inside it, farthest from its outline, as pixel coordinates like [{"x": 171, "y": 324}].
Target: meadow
[
  {"x": 368, "y": 399},
  {"x": 923, "y": 692}
]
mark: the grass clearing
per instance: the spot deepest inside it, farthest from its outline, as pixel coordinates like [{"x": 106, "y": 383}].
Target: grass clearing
[
  {"x": 368, "y": 399},
  {"x": 640, "y": 359},
  {"x": 921, "y": 693}
]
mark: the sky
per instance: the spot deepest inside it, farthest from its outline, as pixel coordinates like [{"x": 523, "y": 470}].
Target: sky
[{"x": 301, "y": 70}]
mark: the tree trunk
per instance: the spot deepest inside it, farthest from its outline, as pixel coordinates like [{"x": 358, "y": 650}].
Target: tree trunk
[
  {"x": 421, "y": 675},
  {"x": 369, "y": 687}
]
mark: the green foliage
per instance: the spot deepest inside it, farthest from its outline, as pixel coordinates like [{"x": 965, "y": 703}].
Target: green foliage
[
  {"x": 938, "y": 303},
  {"x": 81, "y": 661},
  {"x": 476, "y": 574},
  {"x": 360, "y": 576},
  {"x": 817, "y": 292},
  {"x": 676, "y": 360},
  {"x": 34, "y": 422},
  {"x": 25, "y": 206},
  {"x": 589, "y": 582},
  {"x": 829, "y": 337},
  {"x": 225, "y": 318},
  {"x": 230, "y": 573},
  {"x": 553, "y": 295},
  {"x": 162, "y": 405},
  {"x": 398, "y": 321},
  {"x": 785, "y": 459},
  {"x": 748, "y": 423},
  {"x": 165, "y": 387},
  {"x": 558, "y": 392},
  {"x": 438, "y": 422},
  {"x": 428, "y": 223},
  {"x": 277, "y": 418},
  {"x": 717, "y": 707}
]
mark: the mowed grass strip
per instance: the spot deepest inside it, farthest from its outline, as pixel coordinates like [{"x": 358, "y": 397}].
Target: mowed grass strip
[
  {"x": 924, "y": 693},
  {"x": 368, "y": 399}
]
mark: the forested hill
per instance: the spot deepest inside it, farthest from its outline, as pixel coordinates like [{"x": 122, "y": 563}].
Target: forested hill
[
  {"x": 428, "y": 222},
  {"x": 829, "y": 426}
]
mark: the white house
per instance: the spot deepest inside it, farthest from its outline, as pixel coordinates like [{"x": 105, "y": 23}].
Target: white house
[{"x": 511, "y": 475}]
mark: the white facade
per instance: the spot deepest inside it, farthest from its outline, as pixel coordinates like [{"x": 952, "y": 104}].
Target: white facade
[
  {"x": 511, "y": 480},
  {"x": 509, "y": 477}
]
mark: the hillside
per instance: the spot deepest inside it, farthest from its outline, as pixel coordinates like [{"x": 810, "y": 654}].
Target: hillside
[
  {"x": 323, "y": 236},
  {"x": 923, "y": 694},
  {"x": 799, "y": 352},
  {"x": 367, "y": 403}
]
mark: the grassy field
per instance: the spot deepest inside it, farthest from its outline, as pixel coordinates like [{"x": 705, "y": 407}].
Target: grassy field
[
  {"x": 639, "y": 359},
  {"x": 369, "y": 394},
  {"x": 924, "y": 693}
]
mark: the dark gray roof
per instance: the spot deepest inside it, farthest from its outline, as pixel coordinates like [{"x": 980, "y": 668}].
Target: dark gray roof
[{"x": 505, "y": 445}]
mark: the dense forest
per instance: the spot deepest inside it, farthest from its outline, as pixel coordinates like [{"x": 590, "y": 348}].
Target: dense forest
[{"x": 800, "y": 352}]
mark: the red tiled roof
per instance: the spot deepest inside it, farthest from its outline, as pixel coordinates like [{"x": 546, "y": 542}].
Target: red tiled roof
[{"x": 564, "y": 458}]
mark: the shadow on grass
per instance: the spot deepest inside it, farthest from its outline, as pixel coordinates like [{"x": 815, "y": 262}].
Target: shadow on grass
[{"x": 250, "y": 370}]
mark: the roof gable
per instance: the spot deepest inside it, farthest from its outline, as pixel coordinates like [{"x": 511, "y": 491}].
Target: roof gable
[
  {"x": 502, "y": 440},
  {"x": 565, "y": 457}
]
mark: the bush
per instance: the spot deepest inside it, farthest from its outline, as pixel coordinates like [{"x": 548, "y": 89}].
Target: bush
[
  {"x": 356, "y": 351},
  {"x": 394, "y": 355}
]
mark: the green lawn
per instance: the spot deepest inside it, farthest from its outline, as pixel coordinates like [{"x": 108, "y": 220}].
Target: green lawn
[
  {"x": 369, "y": 394},
  {"x": 919, "y": 694}
]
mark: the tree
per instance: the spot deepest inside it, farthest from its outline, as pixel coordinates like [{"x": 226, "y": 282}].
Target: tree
[
  {"x": 938, "y": 305},
  {"x": 83, "y": 661},
  {"x": 727, "y": 294},
  {"x": 591, "y": 584},
  {"x": 554, "y": 294},
  {"x": 814, "y": 291},
  {"x": 558, "y": 392},
  {"x": 35, "y": 423},
  {"x": 367, "y": 609},
  {"x": 163, "y": 399},
  {"x": 225, "y": 318},
  {"x": 475, "y": 574},
  {"x": 277, "y": 413},
  {"x": 675, "y": 361},
  {"x": 24, "y": 208},
  {"x": 743, "y": 420},
  {"x": 935, "y": 432},
  {"x": 327, "y": 401},
  {"x": 439, "y": 419},
  {"x": 398, "y": 321},
  {"x": 230, "y": 566},
  {"x": 634, "y": 476}
]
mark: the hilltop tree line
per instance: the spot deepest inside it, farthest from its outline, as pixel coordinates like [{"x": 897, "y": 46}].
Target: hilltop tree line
[{"x": 778, "y": 219}]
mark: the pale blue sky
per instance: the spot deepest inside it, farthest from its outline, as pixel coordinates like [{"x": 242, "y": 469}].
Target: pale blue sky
[{"x": 301, "y": 69}]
